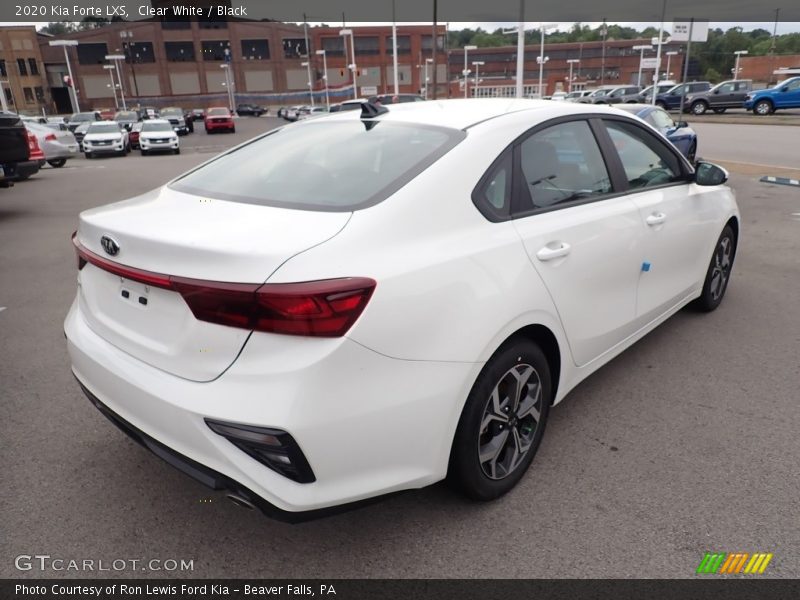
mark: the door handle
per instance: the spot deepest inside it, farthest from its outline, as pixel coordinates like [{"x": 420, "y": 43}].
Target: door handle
[
  {"x": 548, "y": 253},
  {"x": 656, "y": 219}
]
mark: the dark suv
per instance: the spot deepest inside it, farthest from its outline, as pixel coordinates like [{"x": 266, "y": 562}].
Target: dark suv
[
  {"x": 620, "y": 95},
  {"x": 14, "y": 149},
  {"x": 725, "y": 95},
  {"x": 671, "y": 99}
]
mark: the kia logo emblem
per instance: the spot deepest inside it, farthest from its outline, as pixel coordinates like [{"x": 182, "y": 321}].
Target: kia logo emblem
[{"x": 109, "y": 245}]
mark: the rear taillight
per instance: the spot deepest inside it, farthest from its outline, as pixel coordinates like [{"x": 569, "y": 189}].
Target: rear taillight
[
  {"x": 50, "y": 137},
  {"x": 326, "y": 308}
]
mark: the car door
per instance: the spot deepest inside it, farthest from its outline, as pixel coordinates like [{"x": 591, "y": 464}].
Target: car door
[
  {"x": 582, "y": 237},
  {"x": 740, "y": 91},
  {"x": 677, "y": 223},
  {"x": 723, "y": 95},
  {"x": 788, "y": 95}
]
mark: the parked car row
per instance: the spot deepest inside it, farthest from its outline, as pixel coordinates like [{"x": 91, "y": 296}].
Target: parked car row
[{"x": 698, "y": 97}]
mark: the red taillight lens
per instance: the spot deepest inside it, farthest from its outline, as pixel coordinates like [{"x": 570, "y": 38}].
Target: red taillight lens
[
  {"x": 50, "y": 137},
  {"x": 326, "y": 308}
]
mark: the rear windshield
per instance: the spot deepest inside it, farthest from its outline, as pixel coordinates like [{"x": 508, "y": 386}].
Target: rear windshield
[
  {"x": 83, "y": 117},
  {"x": 167, "y": 112},
  {"x": 126, "y": 116},
  {"x": 331, "y": 166}
]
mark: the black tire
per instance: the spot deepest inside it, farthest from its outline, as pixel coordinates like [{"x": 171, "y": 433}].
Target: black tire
[
  {"x": 144, "y": 152},
  {"x": 720, "y": 264},
  {"x": 699, "y": 107},
  {"x": 57, "y": 163},
  {"x": 763, "y": 108},
  {"x": 88, "y": 155},
  {"x": 176, "y": 151},
  {"x": 491, "y": 478},
  {"x": 233, "y": 129}
]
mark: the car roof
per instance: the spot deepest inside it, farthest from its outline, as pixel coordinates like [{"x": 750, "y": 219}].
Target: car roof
[
  {"x": 158, "y": 121},
  {"x": 464, "y": 113}
]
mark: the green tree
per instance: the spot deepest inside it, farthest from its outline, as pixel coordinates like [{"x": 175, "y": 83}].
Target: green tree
[{"x": 713, "y": 75}]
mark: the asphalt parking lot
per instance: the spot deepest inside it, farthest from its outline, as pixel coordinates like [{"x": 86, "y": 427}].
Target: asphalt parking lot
[{"x": 686, "y": 443}]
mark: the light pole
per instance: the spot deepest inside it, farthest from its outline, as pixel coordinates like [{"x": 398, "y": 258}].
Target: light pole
[
  {"x": 738, "y": 53},
  {"x": 477, "y": 64},
  {"x": 351, "y": 66},
  {"x": 74, "y": 96},
  {"x": 307, "y": 65},
  {"x": 466, "y": 70},
  {"x": 325, "y": 76},
  {"x": 427, "y": 62},
  {"x": 229, "y": 85},
  {"x": 669, "y": 58},
  {"x": 541, "y": 59},
  {"x": 641, "y": 50},
  {"x": 572, "y": 61},
  {"x": 116, "y": 58},
  {"x": 658, "y": 42},
  {"x": 110, "y": 69}
]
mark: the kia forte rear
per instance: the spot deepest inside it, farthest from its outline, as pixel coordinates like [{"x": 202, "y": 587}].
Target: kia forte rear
[{"x": 378, "y": 300}]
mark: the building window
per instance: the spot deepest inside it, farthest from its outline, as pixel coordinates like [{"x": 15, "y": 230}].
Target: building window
[
  {"x": 176, "y": 23},
  {"x": 34, "y": 68},
  {"x": 179, "y": 51},
  {"x": 139, "y": 52},
  {"x": 255, "y": 49},
  {"x": 427, "y": 46},
  {"x": 92, "y": 54},
  {"x": 333, "y": 46},
  {"x": 3, "y": 71},
  {"x": 23, "y": 69},
  {"x": 294, "y": 47},
  {"x": 28, "y": 95},
  {"x": 215, "y": 50},
  {"x": 39, "y": 93},
  {"x": 367, "y": 45},
  {"x": 403, "y": 44}
]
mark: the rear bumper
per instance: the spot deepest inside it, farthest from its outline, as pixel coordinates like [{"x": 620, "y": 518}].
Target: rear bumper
[
  {"x": 222, "y": 126},
  {"x": 27, "y": 168},
  {"x": 367, "y": 424}
]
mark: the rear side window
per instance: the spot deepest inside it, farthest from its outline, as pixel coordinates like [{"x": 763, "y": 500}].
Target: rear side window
[
  {"x": 332, "y": 166},
  {"x": 562, "y": 163},
  {"x": 492, "y": 196}
]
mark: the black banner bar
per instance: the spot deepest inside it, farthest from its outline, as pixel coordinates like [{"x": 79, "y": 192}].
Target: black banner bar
[
  {"x": 717, "y": 588},
  {"x": 730, "y": 12}
]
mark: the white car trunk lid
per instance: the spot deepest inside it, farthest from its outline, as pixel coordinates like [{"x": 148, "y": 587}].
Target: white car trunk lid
[{"x": 173, "y": 233}]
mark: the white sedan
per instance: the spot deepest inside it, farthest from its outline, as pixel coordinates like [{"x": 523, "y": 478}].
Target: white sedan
[
  {"x": 406, "y": 310},
  {"x": 105, "y": 137},
  {"x": 158, "y": 135}
]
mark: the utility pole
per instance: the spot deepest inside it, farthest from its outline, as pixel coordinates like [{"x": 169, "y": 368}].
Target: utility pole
[
  {"x": 433, "y": 44},
  {"x": 685, "y": 66},
  {"x": 308, "y": 61},
  {"x": 520, "y": 49},
  {"x": 603, "y": 32}
]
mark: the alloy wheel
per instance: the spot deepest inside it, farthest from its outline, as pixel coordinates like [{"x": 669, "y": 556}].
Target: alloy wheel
[
  {"x": 721, "y": 269},
  {"x": 510, "y": 421}
]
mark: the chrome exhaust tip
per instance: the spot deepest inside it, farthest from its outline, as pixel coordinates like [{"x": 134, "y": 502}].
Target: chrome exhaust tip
[{"x": 241, "y": 501}]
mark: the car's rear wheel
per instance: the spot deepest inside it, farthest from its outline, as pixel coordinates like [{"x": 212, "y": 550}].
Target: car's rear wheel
[
  {"x": 502, "y": 423},
  {"x": 661, "y": 104},
  {"x": 763, "y": 107},
  {"x": 699, "y": 108},
  {"x": 57, "y": 163},
  {"x": 719, "y": 271}
]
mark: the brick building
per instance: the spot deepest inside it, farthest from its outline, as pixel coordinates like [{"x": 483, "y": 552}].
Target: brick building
[
  {"x": 768, "y": 70},
  {"x": 22, "y": 70}
]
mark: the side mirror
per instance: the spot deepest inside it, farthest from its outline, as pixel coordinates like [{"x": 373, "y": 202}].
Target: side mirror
[
  {"x": 707, "y": 173},
  {"x": 785, "y": 89}
]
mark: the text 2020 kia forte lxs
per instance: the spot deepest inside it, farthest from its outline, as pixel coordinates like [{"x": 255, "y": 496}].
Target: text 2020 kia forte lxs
[{"x": 364, "y": 303}]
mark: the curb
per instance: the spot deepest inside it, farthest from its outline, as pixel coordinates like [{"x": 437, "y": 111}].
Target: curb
[{"x": 780, "y": 180}]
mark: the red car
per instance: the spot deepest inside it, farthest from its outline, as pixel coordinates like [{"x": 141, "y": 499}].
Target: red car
[
  {"x": 219, "y": 119},
  {"x": 133, "y": 135}
]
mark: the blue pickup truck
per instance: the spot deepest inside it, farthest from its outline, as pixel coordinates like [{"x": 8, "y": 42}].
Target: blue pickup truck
[{"x": 784, "y": 95}]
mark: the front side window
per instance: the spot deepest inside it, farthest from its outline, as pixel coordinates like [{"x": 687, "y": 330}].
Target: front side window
[
  {"x": 562, "y": 163},
  {"x": 646, "y": 160},
  {"x": 303, "y": 167},
  {"x": 725, "y": 88}
]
